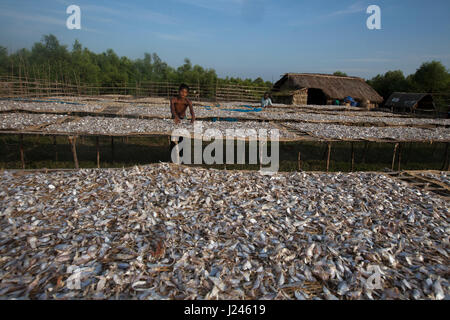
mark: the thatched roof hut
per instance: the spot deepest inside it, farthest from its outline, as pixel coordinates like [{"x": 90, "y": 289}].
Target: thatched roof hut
[
  {"x": 325, "y": 89},
  {"x": 411, "y": 102}
]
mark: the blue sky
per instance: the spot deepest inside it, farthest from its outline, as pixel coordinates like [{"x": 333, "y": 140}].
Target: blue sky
[{"x": 245, "y": 38}]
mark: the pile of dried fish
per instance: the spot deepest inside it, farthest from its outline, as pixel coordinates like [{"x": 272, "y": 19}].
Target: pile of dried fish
[
  {"x": 141, "y": 111},
  {"x": 279, "y": 112},
  {"x": 122, "y": 126},
  {"x": 125, "y": 126},
  {"x": 366, "y": 113},
  {"x": 112, "y": 126},
  {"x": 331, "y": 131},
  {"x": 169, "y": 232},
  {"x": 443, "y": 177},
  {"x": 20, "y": 121},
  {"x": 234, "y": 104},
  {"x": 323, "y": 117},
  {"x": 53, "y": 107},
  {"x": 116, "y": 101},
  {"x": 6, "y": 106},
  {"x": 200, "y": 112},
  {"x": 326, "y": 108}
]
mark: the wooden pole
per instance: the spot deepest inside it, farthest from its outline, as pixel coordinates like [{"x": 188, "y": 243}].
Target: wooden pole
[
  {"x": 410, "y": 144},
  {"x": 97, "y": 140},
  {"x": 198, "y": 86},
  {"x": 72, "y": 141},
  {"x": 328, "y": 157},
  {"x": 446, "y": 165},
  {"x": 400, "y": 157},
  {"x": 366, "y": 148},
  {"x": 353, "y": 158},
  {"x": 22, "y": 153},
  {"x": 393, "y": 157},
  {"x": 168, "y": 95},
  {"x": 434, "y": 148},
  {"x": 260, "y": 158},
  {"x": 299, "y": 162},
  {"x": 55, "y": 147},
  {"x": 112, "y": 149},
  {"x": 217, "y": 87},
  {"x": 325, "y": 152}
]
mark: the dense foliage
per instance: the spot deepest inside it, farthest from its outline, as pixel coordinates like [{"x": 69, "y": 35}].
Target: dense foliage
[
  {"x": 431, "y": 77},
  {"x": 340, "y": 73},
  {"x": 52, "y": 61}
]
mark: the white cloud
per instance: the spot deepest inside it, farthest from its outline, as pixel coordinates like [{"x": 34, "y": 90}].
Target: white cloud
[
  {"x": 184, "y": 36},
  {"x": 357, "y": 7},
  {"x": 42, "y": 19},
  {"x": 131, "y": 12},
  {"x": 368, "y": 60},
  {"x": 436, "y": 56},
  {"x": 32, "y": 17},
  {"x": 215, "y": 5},
  {"x": 354, "y": 8}
]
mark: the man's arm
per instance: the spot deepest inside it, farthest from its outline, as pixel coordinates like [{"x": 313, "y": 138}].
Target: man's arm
[
  {"x": 191, "y": 110},
  {"x": 174, "y": 113}
]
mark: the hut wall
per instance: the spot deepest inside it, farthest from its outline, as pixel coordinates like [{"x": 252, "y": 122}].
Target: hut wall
[
  {"x": 283, "y": 99},
  {"x": 300, "y": 97}
]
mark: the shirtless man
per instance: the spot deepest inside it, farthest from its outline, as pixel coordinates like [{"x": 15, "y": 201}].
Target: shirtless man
[{"x": 179, "y": 104}]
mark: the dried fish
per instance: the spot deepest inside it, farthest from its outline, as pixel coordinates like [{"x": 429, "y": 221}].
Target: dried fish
[
  {"x": 20, "y": 121},
  {"x": 149, "y": 233},
  {"x": 123, "y": 126},
  {"x": 374, "y": 118},
  {"x": 332, "y": 131}
]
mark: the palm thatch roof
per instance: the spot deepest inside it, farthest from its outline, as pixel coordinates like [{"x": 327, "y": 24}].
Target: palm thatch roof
[
  {"x": 411, "y": 101},
  {"x": 334, "y": 87}
]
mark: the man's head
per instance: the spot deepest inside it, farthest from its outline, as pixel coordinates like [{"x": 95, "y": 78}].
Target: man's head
[
  {"x": 183, "y": 91},
  {"x": 266, "y": 95}
]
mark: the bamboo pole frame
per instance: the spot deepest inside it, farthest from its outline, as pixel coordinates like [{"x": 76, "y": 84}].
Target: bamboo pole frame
[
  {"x": 60, "y": 86},
  {"x": 22, "y": 152},
  {"x": 55, "y": 147},
  {"x": 352, "y": 161},
  {"x": 112, "y": 149},
  {"x": 97, "y": 144},
  {"x": 328, "y": 156},
  {"x": 393, "y": 157},
  {"x": 446, "y": 164},
  {"x": 72, "y": 141}
]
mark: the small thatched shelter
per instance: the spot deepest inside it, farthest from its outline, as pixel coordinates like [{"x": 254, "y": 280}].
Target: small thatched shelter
[
  {"x": 323, "y": 89},
  {"x": 411, "y": 102}
]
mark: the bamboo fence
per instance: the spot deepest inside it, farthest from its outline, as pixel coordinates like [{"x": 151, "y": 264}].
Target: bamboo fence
[{"x": 22, "y": 87}]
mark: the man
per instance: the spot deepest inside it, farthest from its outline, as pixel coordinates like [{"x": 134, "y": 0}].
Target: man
[
  {"x": 179, "y": 105},
  {"x": 266, "y": 101}
]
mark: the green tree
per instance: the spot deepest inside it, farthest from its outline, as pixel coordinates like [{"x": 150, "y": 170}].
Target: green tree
[
  {"x": 432, "y": 77},
  {"x": 340, "y": 73},
  {"x": 49, "y": 59},
  {"x": 390, "y": 82},
  {"x": 4, "y": 60}
]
